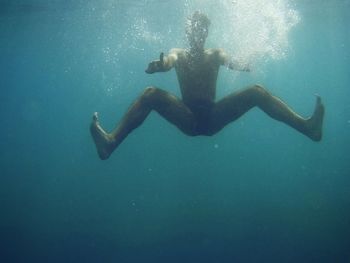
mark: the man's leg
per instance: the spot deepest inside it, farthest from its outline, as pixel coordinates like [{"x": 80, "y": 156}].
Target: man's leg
[
  {"x": 166, "y": 104},
  {"x": 235, "y": 105}
]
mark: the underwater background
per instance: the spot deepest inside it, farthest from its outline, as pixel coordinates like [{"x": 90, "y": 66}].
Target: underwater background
[{"x": 256, "y": 192}]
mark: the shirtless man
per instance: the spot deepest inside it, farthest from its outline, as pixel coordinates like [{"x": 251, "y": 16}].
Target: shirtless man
[{"x": 197, "y": 113}]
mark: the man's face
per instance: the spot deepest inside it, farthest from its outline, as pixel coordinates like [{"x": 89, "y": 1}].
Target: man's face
[{"x": 198, "y": 36}]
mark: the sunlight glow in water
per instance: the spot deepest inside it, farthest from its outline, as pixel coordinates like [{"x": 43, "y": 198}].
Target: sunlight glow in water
[{"x": 252, "y": 30}]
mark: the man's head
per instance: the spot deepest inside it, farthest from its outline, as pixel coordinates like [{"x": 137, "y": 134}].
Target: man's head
[{"x": 197, "y": 30}]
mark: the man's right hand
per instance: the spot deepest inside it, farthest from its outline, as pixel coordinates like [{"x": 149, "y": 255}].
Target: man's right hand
[{"x": 156, "y": 65}]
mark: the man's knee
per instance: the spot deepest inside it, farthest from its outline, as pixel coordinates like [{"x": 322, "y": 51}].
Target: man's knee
[
  {"x": 259, "y": 92},
  {"x": 150, "y": 94},
  {"x": 150, "y": 91},
  {"x": 259, "y": 89}
]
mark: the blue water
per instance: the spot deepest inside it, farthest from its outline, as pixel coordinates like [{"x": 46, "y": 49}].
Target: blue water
[{"x": 256, "y": 192}]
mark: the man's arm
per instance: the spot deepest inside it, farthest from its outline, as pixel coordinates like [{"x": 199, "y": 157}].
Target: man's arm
[
  {"x": 165, "y": 63},
  {"x": 227, "y": 61}
]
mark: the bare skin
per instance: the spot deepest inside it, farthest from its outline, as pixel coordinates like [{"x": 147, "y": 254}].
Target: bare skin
[{"x": 197, "y": 112}]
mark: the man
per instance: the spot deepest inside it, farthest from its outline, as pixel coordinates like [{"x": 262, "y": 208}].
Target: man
[{"x": 197, "y": 113}]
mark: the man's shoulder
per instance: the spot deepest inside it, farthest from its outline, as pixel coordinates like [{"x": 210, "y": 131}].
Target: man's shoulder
[
  {"x": 177, "y": 51},
  {"x": 214, "y": 51},
  {"x": 215, "y": 54}
]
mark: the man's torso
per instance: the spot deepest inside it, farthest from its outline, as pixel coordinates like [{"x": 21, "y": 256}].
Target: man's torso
[{"x": 197, "y": 76}]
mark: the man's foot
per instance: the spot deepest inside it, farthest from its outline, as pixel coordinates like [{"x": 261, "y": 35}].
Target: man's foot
[
  {"x": 316, "y": 121},
  {"x": 103, "y": 142}
]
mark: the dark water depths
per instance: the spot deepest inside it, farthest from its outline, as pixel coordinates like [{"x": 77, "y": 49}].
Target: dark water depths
[{"x": 256, "y": 192}]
